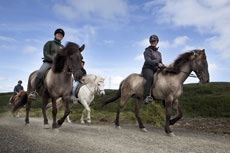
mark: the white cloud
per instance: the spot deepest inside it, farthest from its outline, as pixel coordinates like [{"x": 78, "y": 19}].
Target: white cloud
[
  {"x": 7, "y": 38},
  {"x": 92, "y": 9},
  {"x": 108, "y": 41},
  {"x": 2, "y": 78},
  {"x": 179, "y": 41},
  {"x": 207, "y": 16},
  {"x": 113, "y": 82},
  {"x": 80, "y": 35},
  {"x": 139, "y": 57},
  {"x": 30, "y": 49}
]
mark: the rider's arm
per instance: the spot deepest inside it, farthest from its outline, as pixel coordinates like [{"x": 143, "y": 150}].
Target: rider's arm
[
  {"x": 46, "y": 52},
  {"x": 15, "y": 90}
]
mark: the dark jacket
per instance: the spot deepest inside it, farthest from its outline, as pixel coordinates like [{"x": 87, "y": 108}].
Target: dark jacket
[
  {"x": 152, "y": 58},
  {"x": 17, "y": 88},
  {"x": 49, "y": 50}
]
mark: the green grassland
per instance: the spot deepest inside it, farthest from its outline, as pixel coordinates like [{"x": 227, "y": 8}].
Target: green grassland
[{"x": 208, "y": 100}]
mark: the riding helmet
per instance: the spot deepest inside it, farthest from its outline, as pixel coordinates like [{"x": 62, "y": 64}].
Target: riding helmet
[
  {"x": 20, "y": 81},
  {"x": 59, "y": 31},
  {"x": 153, "y": 38}
]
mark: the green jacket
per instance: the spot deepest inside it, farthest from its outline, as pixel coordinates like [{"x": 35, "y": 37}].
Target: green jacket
[{"x": 49, "y": 50}]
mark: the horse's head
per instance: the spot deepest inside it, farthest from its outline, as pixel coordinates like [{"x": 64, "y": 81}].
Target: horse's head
[
  {"x": 97, "y": 82},
  {"x": 70, "y": 58},
  {"x": 100, "y": 86},
  {"x": 200, "y": 65}
]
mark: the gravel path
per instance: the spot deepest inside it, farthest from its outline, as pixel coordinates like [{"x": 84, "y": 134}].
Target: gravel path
[{"x": 15, "y": 137}]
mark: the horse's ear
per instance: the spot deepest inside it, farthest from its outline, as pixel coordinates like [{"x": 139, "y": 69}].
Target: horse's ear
[
  {"x": 203, "y": 50},
  {"x": 82, "y": 48}
]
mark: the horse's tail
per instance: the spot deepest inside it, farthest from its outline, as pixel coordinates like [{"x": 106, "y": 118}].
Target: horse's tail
[
  {"x": 117, "y": 96},
  {"x": 21, "y": 103}
]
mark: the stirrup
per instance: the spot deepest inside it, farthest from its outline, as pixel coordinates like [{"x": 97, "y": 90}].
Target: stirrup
[
  {"x": 148, "y": 100},
  {"x": 74, "y": 100},
  {"x": 33, "y": 95}
]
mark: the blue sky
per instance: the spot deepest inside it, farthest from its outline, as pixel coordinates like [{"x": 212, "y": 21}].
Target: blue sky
[{"x": 115, "y": 33}]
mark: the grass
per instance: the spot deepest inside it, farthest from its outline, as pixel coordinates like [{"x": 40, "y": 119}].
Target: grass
[{"x": 209, "y": 100}]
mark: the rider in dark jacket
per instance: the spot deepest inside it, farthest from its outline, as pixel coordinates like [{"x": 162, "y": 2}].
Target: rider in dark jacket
[
  {"x": 49, "y": 51},
  {"x": 18, "y": 87},
  {"x": 152, "y": 62}
]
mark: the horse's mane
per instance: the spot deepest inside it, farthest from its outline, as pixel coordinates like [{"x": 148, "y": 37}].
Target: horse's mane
[
  {"x": 60, "y": 57},
  {"x": 175, "y": 66},
  {"x": 90, "y": 78}
]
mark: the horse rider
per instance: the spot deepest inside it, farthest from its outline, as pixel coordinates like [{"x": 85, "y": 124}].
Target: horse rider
[
  {"x": 153, "y": 62},
  {"x": 18, "y": 87},
  {"x": 49, "y": 51},
  {"x": 76, "y": 84}
]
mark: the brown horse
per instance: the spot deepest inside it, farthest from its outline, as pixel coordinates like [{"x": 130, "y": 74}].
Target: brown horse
[
  {"x": 168, "y": 86},
  {"x": 58, "y": 82},
  {"x": 14, "y": 102}
]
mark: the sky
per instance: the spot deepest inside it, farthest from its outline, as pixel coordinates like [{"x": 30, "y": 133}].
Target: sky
[{"x": 115, "y": 34}]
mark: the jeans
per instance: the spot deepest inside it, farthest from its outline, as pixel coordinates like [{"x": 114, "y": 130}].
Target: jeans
[
  {"x": 41, "y": 72},
  {"x": 75, "y": 85},
  {"x": 148, "y": 74}
]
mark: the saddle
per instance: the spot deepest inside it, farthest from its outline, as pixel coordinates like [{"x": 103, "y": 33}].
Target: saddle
[{"x": 77, "y": 90}]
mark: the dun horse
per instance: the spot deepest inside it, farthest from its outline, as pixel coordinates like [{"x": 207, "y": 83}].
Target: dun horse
[
  {"x": 168, "y": 86},
  {"x": 58, "y": 82},
  {"x": 15, "y": 102}
]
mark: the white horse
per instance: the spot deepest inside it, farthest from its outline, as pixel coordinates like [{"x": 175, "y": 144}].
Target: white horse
[{"x": 92, "y": 85}]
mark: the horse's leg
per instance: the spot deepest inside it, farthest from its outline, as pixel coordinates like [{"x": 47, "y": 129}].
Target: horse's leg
[
  {"x": 124, "y": 99},
  {"x": 179, "y": 115},
  {"x": 17, "y": 113},
  {"x": 82, "y": 116},
  {"x": 168, "y": 107},
  {"x": 45, "y": 102},
  {"x": 54, "y": 113},
  {"x": 84, "y": 103},
  {"x": 68, "y": 120},
  {"x": 137, "y": 107},
  {"x": 28, "y": 105},
  {"x": 67, "y": 111}
]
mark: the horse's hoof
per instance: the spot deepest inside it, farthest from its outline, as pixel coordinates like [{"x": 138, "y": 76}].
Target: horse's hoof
[
  {"x": 55, "y": 130},
  {"x": 118, "y": 127},
  {"x": 88, "y": 121},
  {"x": 46, "y": 126},
  {"x": 27, "y": 124},
  {"x": 82, "y": 122},
  {"x": 144, "y": 130},
  {"x": 171, "y": 134}
]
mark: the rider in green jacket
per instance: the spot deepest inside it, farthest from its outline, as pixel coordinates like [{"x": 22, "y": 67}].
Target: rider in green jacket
[{"x": 49, "y": 51}]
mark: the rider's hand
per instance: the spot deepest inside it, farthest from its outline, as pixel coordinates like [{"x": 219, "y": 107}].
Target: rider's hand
[{"x": 160, "y": 65}]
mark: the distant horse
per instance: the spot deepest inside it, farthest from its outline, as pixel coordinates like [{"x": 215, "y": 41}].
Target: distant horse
[
  {"x": 14, "y": 102},
  {"x": 92, "y": 85},
  {"x": 167, "y": 86},
  {"x": 58, "y": 82}
]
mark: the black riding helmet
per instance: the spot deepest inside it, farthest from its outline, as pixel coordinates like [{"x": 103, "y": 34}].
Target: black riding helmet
[
  {"x": 59, "y": 31},
  {"x": 20, "y": 81},
  {"x": 153, "y": 38}
]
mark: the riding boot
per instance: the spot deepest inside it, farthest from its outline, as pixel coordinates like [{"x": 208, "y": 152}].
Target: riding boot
[{"x": 33, "y": 95}]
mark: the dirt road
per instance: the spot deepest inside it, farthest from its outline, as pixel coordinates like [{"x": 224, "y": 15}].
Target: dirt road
[{"x": 97, "y": 138}]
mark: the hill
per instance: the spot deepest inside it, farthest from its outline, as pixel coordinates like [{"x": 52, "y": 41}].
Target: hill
[{"x": 197, "y": 100}]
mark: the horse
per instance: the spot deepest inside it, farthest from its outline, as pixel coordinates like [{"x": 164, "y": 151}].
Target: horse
[
  {"x": 92, "y": 85},
  {"x": 57, "y": 82},
  {"x": 14, "y": 102},
  {"x": 167, "y": 86}
]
